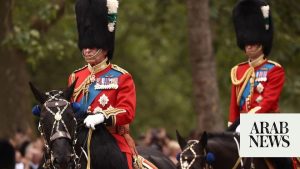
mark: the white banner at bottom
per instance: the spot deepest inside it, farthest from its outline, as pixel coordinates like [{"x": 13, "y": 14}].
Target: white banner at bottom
[{"x": 270, "y": 135}]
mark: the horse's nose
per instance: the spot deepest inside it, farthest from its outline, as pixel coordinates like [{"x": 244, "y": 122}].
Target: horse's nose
[
  {"x": 71, "y": 165},
  {"x": 61, "y": 163},
  {"x": 56, "y": 163}
]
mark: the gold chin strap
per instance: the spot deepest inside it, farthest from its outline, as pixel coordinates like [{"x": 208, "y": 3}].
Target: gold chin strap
[
  {"x": 257, "y": 50},
  {"x": 93, "y": 56}
]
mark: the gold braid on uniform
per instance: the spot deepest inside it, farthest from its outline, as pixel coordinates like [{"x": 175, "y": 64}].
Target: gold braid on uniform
[
  {"x": 111, "y": 111},
  {"x": 84, "y": 86},
  {"x": 249, "y": 74}
]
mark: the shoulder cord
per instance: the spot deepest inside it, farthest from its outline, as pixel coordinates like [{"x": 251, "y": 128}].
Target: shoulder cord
[{"x": 250, "y": 73}]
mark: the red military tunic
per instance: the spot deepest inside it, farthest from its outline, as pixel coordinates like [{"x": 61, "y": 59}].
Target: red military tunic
[
  {"x": 256, "y": 87},
  {"x": 116, "y": 99}
]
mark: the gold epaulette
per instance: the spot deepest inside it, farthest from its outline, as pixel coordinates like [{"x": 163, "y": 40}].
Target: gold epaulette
[
  {"x": 73, "y": 76},
  {"x": 118, "y": 68},
  {"x": 233, "y": 75},
  {"x": 275, "y": 63}
]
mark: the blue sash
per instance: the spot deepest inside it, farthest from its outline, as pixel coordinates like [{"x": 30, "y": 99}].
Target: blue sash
[
  {"x": 246, "y": 91},
  {"x": 93, "y": 93}
]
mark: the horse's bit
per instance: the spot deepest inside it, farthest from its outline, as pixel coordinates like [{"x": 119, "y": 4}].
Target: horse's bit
[
  {"x": 184, "y": 163},
  {"x": 55, "y": 132}
]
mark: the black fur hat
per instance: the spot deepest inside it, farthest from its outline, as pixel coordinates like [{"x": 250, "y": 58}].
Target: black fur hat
[
  {"x": 96, "y": 24},
  {"x": 253, "y": 24}
]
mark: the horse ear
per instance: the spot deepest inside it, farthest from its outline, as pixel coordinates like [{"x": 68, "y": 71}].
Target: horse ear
[
  {"x": 68, "y": 92},
  {"x": 203, "y": 139},
  {"x": 39, "y": 96},
  {"x": 181, "y": 140}
]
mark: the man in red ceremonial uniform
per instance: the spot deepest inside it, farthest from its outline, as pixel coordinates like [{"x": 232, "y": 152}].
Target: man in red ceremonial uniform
[
  {"x": 104, "y": 90},
  {"x": 256, "y": 83}
]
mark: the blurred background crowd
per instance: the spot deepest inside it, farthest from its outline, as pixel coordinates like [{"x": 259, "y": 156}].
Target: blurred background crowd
[{"x": 25, "y": 151}]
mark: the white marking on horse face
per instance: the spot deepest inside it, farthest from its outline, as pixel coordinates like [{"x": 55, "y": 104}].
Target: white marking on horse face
[{"x": 57, "y": 116}]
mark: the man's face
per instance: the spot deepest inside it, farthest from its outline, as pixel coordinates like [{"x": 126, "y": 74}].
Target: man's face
[
  {"x": 94, "y": 56},
  {"x": 253, "y": 51}
]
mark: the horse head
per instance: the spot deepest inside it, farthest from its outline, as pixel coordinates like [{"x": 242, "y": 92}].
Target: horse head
[
  {"x": 194, "y": 153},
  {"x": 57, "y": 125}
]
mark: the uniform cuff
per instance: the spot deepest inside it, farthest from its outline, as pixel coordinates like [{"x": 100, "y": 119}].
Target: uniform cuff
[
  {"x": 111, "y": 111},
  {"x": 110, "y": 121}
]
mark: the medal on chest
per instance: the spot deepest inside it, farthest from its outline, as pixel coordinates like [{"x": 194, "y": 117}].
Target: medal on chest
[
  {"x": 103, "y": 100},
  {"x": 261, "y": 76},
  {"x": 106, "y": 82}
]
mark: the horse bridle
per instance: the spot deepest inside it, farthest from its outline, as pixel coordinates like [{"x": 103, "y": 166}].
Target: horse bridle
[
  {"x": 55, "y": 131},
  {"x": 186, "y": 165}
]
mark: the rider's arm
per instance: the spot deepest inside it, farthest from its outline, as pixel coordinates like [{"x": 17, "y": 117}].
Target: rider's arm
[
  {"x": 124, "y": 110},
  {"x": 234, "y": 109}
]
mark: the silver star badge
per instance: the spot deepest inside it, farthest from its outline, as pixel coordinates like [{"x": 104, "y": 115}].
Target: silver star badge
[
  {"x": 103, "y": 100},
  {"x": 259, "y": 99},
  {"x": 260, "y": 88}
]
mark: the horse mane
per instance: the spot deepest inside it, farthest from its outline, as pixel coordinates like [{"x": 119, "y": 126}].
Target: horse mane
[{"x": 225, "y": 134}]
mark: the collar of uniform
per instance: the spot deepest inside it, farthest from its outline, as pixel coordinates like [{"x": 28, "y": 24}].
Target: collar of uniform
[
  {"x": 257, "y": 61},
  {"x": 99, "y": 67}
]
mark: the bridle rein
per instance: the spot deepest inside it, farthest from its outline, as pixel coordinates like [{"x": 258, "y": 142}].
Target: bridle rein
[
  {"x": 190, "y": 147},
  {"x": 183, "y": 159},
  {"x": 55, "y": 102}
]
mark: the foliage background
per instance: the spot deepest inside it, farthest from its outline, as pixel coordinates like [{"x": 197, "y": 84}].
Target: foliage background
[{"x": 152, "y": 45}]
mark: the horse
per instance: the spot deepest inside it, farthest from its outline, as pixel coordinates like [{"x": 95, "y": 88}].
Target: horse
[
  {"x": 156, "y": 157},
  {"x": 59, "y": 128},
  {"x": 66, "y": 137},
  {"x": 218, "y": 150}
]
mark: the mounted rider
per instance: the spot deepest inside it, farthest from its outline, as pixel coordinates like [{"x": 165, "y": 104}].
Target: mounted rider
[
  {"x": 105, "y": 91},
  {"x": 258, "y": 82}
]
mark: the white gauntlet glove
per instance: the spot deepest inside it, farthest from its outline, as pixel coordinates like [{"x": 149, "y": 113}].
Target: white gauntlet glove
[{"x": 92, "y": 120}]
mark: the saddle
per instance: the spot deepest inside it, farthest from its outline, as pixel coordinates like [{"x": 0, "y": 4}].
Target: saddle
[{"x": 139, "y": 162}]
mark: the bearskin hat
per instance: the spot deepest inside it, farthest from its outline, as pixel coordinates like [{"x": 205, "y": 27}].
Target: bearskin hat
[
  {"x": 253, "y": 24},
  {"x": 96, "y": 21}
]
